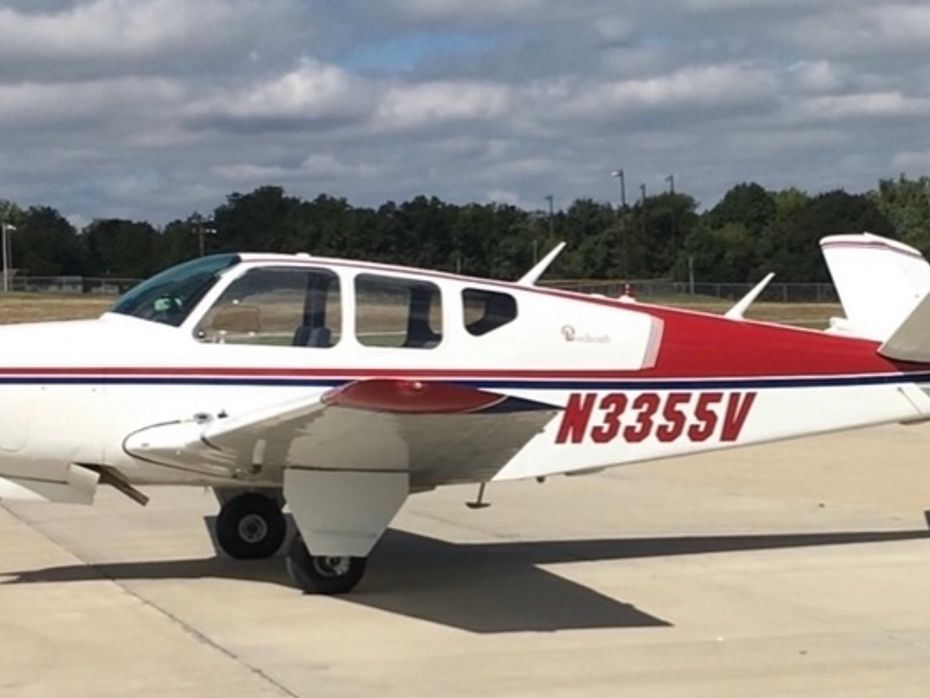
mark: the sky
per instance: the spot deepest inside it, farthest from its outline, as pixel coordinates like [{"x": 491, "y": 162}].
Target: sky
[{"x": 152, "y": 109}]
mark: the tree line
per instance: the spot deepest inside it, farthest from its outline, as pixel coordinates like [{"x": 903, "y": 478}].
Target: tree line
[{"x": 748, "y": 233}]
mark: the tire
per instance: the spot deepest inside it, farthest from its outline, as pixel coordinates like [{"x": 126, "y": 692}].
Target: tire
[
  {"x": 250, "y": 526},
  {"x": 323, "y": 574}
]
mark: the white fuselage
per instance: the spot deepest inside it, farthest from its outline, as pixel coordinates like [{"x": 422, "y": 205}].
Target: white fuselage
[{"x": 73, "y": 392}]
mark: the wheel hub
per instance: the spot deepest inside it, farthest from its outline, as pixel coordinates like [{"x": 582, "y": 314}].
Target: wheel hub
[
  {"x": 329, "y": 566},
  {"x": 253, "y": 528}
]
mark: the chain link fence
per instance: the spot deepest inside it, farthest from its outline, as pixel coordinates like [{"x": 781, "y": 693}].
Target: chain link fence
[
  {"x": 681, "y": 291},
  {"x": 70, "y": 285}
]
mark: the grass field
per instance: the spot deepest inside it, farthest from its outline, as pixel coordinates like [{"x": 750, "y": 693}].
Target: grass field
[
  {"x": 35, "y": 307},
  {"x": 29, "y": 307},
  {"x": 812, "y": 315}
]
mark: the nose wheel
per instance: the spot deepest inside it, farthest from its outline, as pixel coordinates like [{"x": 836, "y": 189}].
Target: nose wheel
[
  {"x": 323, "y": 574},
  {"x": 250, "y": 526}
]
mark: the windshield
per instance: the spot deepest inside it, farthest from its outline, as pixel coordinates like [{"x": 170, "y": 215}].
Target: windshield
[{"x": 170, "y": 296}]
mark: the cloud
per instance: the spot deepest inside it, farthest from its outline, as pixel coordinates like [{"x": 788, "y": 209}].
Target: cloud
[
  {"x": 314, "y": 92},
  {"x": 122, "y": 103},
  {"x": 154, "y": 108},
  {"x": 882, "y": 106},
  {"x": 470, "y": 10},
  {"x": 91, "y": 40},
  {"x": 433, "y": 103},
  {"x": 318, "y": 165},
  {"x": 859, "y": 31},
  {"x": 714, "y": 87},
  {"x": 912, "y": 161}
]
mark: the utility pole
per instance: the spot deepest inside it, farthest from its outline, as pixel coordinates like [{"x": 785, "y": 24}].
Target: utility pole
[
  {"x": 7, "y": 244},
  {"x": 201, "y": 228}
]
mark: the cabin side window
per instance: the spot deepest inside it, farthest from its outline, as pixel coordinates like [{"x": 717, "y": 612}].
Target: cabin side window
[
  {"x": 277, "y": 306},
  {"x": 402, "y": 313},
  {"x": 485, "y": 311}
]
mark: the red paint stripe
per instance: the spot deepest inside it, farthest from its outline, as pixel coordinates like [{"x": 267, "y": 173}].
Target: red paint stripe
[{"x": 705, "y": 346}]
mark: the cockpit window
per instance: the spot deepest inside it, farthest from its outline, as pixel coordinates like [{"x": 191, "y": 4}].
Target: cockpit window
[
  {"x": 276, "y": 306},
  {"x": 170, "y": 296}
]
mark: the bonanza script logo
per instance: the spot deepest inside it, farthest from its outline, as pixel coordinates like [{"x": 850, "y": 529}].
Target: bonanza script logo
[{"x": 570, "y": 334}]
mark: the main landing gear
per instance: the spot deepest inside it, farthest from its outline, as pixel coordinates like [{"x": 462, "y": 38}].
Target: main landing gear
[
  {"x": 340, "y": 515},
  {"x": 250, "y": 525},
  {"x": 323, "y": 574},
  {"x": 338, "y": 512}
]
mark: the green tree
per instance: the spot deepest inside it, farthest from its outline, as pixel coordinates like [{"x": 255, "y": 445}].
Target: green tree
[
  {"x": 179, "y": 241},
  {"x": 727, "y": 253},
  {"x": 122, "y": 248},
  {"x": 10, "y": 212},
  {"x": 789, "y": 201},
  {"x": 789, "y": 246},
  {"x": 667, "y": 221},
  {"x": 594, "y": 235},
  {"x": 906, "y": 203},
  {"x": 264, "y": 220},
  {"x": 747, "y": 204},
  {"x": 46, "y": 244}
]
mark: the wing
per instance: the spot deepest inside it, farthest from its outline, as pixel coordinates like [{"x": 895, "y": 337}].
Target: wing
[{"x": 438, "y": 432}]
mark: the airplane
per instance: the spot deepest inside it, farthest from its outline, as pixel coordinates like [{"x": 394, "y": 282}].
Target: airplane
[{"x": 338, "y": 388}]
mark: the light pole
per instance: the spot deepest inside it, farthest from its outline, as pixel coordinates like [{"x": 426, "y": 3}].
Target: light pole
[
  {"x": 619, "y": 175},
  {"x": 671, "y": 190},
  {"x": 621, "y": 214},
  {"x": 549, "y": 198},
  {"x": 6, "y": 243}
]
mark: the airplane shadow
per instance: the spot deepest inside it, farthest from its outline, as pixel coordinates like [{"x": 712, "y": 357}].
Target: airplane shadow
[{"x": 494, "y": 587}]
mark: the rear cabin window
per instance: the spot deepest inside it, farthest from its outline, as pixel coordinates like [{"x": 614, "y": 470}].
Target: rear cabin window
[
  {"x": 391, "y": 312},
  {"x": 277, "y": 307},
  {"x": 485, "y": 311}
]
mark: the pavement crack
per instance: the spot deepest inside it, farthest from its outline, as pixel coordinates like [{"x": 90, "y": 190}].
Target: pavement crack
[{"x": 164, "y": 612}]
